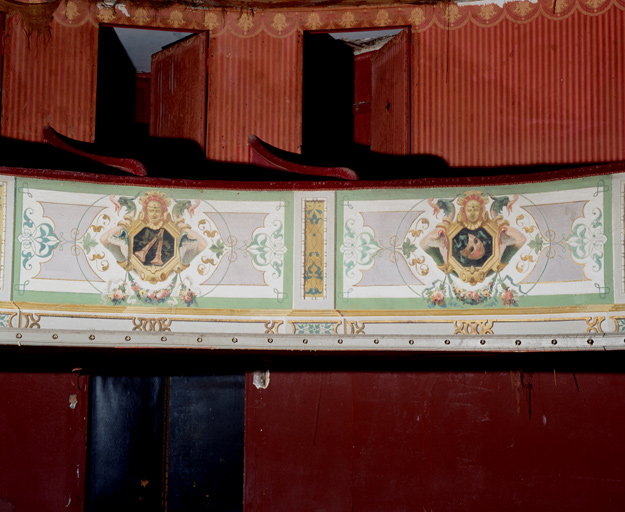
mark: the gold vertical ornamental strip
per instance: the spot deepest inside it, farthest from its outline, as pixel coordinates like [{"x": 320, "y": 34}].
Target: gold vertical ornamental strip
[{"x": 314, "y": 249}]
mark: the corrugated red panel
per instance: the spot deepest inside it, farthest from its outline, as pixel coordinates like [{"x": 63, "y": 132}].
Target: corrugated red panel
[
  {"x": 142, "y": 98},
  {"x": 390, "y": 100},
  {"x": 49, "y": 82},
  {"x": 362, "y": 98},
  {"x": 450, "y": 439},
  {"x": 547, "y": 91},
  {"x": 178, "y": 90},
  {"x": 43, "y": 446},
  {"x": 255, "y": 87}
]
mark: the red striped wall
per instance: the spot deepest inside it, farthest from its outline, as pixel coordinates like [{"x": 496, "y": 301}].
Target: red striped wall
[
  {"x": 255, "y": 86},
  {"x": 547, "y": 91},
  {"x": 49, "y": 82}
]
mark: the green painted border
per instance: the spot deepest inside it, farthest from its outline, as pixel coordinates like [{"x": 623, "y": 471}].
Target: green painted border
[
  {"x": 17, "y": 231},
  {"x": 176, "y": 193},
  {"x": 425, "y": 193},
  {"x": 338, "y": 254},
  {"x": 608, "y": 255},
  {"x": 420, "y": 304}
]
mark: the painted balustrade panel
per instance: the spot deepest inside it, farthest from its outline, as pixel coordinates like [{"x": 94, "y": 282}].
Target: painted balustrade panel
[
  {"x": 359, "y": 268},
  {"x": 536, "y": 246},
  {"x": 127, "y": 246}
]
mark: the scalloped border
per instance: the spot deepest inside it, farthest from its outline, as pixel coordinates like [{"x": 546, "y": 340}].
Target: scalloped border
[{"x": 281, "y": 23}]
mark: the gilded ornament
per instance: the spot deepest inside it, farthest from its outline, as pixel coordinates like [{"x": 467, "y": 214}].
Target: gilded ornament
[
  {"x": 141, "y": 16},
  {"x": 522, "y": 9},
  {"x": 452, "y": 13},
  {"x": 487, "y": 11},
  {"x": 272, "y": 326},
  {"x": 106, "y": 15},
  {"x": 523, "y": 265},
  {"x": 471, "y": 327},
  {"x": 417, "y": 17},
  {"x": 348, "y": 20},
  {"x": 246, "y": 22},
  {"x": 382, "y": 19},
  {"x": 151, "y": 324},
  {"x": 211, "y": 21},
  {"x": 279, "y": 22},
  {"x": 71, "y": 11},
  {"x": 594, "y": 324},
  {"x": 314, "y": 21},
  {"x": 594, "y": 4},
  {"x": 176, "y": 19},
  {"x": 356, "y": 328}
]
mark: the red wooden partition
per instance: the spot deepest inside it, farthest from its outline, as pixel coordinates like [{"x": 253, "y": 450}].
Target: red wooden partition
[
  {"x": 390, "y": 99},
  {"x": 447, "y": 435},
  {"x": 43, "y": 420},
  {"x": 178, "y": 90}
]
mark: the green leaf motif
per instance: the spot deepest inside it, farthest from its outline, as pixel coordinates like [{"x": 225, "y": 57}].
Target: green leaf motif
[
  {"x": 218, "y": 248},
  {"x": 88, "y": 243},
  {"x": 408, "y": 248},
  {"x": 537, "y": 244}
]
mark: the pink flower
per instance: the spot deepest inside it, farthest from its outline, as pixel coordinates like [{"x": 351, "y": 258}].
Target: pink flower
[
  {"x": 161, "y": 294},
  {"x": 473, "y": 295},
  {"x": 437, "y": 297},
  {"x": 135, "y": 287},
  {"x": 151, "y": 294},
  {"x": 118, "y": 294},
  {"x": 508, "y": 295}
]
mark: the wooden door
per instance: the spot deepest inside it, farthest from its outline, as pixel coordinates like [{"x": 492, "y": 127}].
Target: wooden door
[
  {"x": 178, "y": 92},
  {"x": 390, "y": 101}
]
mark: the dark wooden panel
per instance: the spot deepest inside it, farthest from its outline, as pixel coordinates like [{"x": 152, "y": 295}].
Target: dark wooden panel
[
  {"x": 435, "y": 440},
  {"x": 390, "y": 103},
  {"x": 178, "y": 90},
  {"x": 126, "y": 443},
  {"x": 205, "y": 464},
  {"x": 43, "y": 421}
]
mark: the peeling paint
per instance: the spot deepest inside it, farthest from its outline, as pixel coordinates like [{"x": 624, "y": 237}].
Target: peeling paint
[
  {"x": 261, "y": 379},
  {"x": 73, "y": 400}
]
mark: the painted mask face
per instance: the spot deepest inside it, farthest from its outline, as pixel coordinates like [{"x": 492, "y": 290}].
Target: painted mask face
[
  {"x": 472, "y": 210},
  {"x": 154, "y": 211},
  {"x": 475, "y": 248}
]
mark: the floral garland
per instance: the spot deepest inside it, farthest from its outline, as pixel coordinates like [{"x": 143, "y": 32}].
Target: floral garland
[
  {"x": 187, "y": 296},
  {"x": 446, "y": 293},
  {"x": 119, "y": 294}
]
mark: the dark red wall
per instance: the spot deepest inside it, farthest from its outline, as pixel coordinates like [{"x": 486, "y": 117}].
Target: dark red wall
[
  {"x": 43, "y": 441},
  {"x": 479, "y": 438}
]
